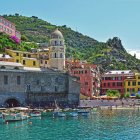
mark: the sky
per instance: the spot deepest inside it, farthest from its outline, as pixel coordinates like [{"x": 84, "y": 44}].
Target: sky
[{"x": 99, "y": 19}]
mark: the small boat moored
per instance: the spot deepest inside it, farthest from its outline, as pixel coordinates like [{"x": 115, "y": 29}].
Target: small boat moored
[
  {"x": 73, "y": 114},
  {"x": 35, "y": 114}
]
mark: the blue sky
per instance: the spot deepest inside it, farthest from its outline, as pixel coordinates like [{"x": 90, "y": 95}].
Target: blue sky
[{"x": 100, "y": 19}]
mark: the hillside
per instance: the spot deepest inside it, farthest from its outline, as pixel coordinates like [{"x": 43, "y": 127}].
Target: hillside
[{"x": 109, "y": 55}]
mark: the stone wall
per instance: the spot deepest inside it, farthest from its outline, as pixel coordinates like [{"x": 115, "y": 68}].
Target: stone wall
[{"x": 38, "y": 88}]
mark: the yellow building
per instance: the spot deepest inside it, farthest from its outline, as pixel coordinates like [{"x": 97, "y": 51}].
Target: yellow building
[
  {"x": 51, "y": 57},
  {"x": 27, "y": 59},
  {"x": 132, "y": 84}
]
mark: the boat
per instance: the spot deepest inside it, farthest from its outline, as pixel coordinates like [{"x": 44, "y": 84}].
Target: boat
[
  {"x": 14, "y": 117},
  {"x": 73, "y": 114},
  {"x": 83, "y": 112},
  {"x": 58, "y": 112},
  {"x": 35, "y": 114}
]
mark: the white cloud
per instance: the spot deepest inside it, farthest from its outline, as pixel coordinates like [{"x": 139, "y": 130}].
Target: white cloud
[{"x": 132, "y": 52}]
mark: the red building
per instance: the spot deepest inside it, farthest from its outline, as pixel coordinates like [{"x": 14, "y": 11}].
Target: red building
[
  {"x": 8, "y": 28},
  {"x": 89, "y": 77},
  {"x": 114, "y": 80}
]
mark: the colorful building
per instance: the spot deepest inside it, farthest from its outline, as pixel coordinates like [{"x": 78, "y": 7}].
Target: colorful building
[
  {"x": 27, "y": 59},
  {"x": 6, "y": 58},
  {"x": 8, "y": 28},
  {"x": 51, "y": 57},
  {"x": 89, "y": 77},
  {"x": 132, "y": 83},
  {"x": 115, "y": 80}
]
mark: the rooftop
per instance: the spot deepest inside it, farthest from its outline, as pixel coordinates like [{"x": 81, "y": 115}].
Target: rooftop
[
  {"x": 120, "y": 72},
  {"x": 31, "y": 69},
  {"x": 3, "y": 63}
]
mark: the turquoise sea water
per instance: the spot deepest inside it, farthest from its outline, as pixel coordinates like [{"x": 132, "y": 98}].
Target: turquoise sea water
[{"x": 100, "y": 125}]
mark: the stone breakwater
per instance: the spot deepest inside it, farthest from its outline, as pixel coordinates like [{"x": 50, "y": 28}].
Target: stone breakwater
[{"x": 118, "y": 102}]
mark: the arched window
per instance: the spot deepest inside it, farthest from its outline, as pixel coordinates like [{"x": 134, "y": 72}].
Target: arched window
[
  {"x": 24, "y": 62},
  {"x": 55, "y": 42},
  {"x": 55, "y": 55}
]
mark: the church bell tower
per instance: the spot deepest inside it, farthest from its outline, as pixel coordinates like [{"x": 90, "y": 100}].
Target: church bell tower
[{"x": 57, "y": 51}]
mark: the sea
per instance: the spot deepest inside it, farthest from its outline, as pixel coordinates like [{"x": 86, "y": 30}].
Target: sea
[{"x": 116, "y": 124}]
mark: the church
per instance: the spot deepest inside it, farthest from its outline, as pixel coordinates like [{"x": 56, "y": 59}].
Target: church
[{"x": 38, "y": 78}]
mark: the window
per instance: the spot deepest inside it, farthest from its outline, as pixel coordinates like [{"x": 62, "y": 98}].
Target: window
[
  {"x": 17, "y": 61},
  {"x": 37, "y": 82},
  {"x": 24, "y": 55},
  {"x": 55, "y": 42},
  {"x": 85, "y": 71},
  {"x": 86, "y": 83},
  {"x": 24, "y": 62},
  {"x": 119, "y": 78},
  {"x": 5, "y": 79},
  {"x": 113, "y": 84},
  {"x": 28, "y": 87},
  {"x": 128, "y": 89},
  {"x": 133, "y": 83},
  {"x": 34, "y": 63},
  {"x": 56, "y": 89},
  {"x": 128, "y": 83},
  {"x": 55, "y": 55},
  {"x": 17, "y": 54},
  {"x": 61, "y": 55},
  {"x": 133, "y": 90},
  {"x": 138, "y": 83},
  {"x": 18, "y": 80},
  {"x": 104, "y": 84},
  {"x": 45, "y": 62},
  {"x": 113, "y": 78},
  {"x": 139, "y": 77},
  {"x": 29, "y": 55},
  {"x": 119, "y": 84},
  {"x": 108, "y": 84}
]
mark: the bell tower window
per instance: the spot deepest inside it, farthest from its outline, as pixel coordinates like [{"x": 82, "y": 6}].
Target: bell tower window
[
  {"x": 61, "y": 55},
  {"x": 55, "y": 55},
  {"x": 55, "y": 42}
]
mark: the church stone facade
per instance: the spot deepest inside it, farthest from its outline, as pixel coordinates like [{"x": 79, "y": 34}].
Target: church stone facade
[{"x": 39, "y": 88}]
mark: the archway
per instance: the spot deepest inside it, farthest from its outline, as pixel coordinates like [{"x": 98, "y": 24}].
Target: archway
[{"x": 12, "y": 102}]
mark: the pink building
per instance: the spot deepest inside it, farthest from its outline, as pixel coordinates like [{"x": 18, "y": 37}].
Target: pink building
[
  {"x": 8, "y": 28},
  {"x": 89, "y": 77}
]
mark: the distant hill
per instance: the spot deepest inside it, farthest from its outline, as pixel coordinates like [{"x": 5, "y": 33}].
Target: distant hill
[{"x": 109, "y": 55}]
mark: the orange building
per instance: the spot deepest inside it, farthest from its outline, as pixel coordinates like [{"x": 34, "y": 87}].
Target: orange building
[{"x": 89, "y": 77}]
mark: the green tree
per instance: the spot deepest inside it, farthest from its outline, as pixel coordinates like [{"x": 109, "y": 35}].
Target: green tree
[
  {"x": 113, "y": 93},
  {"x": 127, "y": 95}
]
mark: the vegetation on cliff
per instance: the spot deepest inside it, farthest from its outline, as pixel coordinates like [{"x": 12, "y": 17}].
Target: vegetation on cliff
[{"x": 109, "y": 55}]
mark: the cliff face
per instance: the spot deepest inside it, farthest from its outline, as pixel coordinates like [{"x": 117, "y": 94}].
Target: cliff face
[{"x": 109, "y": 55}]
